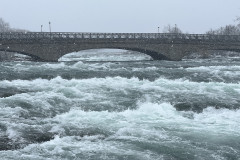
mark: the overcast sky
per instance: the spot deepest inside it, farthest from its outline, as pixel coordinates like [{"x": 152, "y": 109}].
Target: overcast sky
[{"x": 193, "y": 16}]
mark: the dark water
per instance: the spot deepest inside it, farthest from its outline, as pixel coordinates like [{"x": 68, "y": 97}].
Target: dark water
[{"x": 121, "y": 110}]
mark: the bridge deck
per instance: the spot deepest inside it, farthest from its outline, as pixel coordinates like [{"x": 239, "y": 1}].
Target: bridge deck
[{"x": 71, "y": 35}]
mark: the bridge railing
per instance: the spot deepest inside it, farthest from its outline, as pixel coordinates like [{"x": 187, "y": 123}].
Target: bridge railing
[{"x": 71, "y": 35}]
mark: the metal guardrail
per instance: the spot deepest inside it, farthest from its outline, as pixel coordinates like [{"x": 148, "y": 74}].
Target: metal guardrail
[{"x": 72, "y": 35}]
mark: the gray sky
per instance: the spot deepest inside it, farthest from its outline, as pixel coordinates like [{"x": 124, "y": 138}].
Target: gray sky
[{"x": 193, "y": 16}]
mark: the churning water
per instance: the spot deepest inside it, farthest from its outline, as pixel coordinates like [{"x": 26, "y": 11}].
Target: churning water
[{"x": 120, "y": 110}]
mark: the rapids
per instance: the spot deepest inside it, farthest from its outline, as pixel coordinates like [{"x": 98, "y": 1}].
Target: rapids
[{"x": 112, "y": 107}]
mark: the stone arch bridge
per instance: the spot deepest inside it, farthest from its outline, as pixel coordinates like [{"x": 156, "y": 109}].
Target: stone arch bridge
[{"x": 46, "y": 46}]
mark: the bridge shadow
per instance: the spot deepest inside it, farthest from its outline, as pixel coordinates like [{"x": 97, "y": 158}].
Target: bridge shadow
[
  {"x": 123, "y": 54},
  {"x": 9, "y": 55},
  {"x": 154, "y": 55},
  {"x": 211, "y": 54}
]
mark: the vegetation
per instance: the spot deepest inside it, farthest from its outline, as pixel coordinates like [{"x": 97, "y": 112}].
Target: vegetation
[
  {"x": 171, "y": 29},
  {"x": 5, "y": 27},
  {"x": 227, "y": 30}
]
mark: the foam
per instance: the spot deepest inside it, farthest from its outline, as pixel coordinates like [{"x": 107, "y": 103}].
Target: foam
[
  {"x": 150, "y": 124},
  {"x": 211, "y": 68},
  {"x": 154, "y": 121},
  {"x": 120, "y": 133},
  {"x": 153, "y": 114},
  {"x": 105, "y": 55},
  {"x": 101, "y": 85}
]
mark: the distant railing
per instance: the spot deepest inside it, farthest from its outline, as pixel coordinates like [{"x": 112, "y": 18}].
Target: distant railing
[{"x": 72, "y": 35}]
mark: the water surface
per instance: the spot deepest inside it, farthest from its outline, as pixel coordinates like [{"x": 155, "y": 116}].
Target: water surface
[{"x": 116, "y": 108}]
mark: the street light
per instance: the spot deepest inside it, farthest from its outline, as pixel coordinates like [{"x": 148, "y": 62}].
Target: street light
[
  {"x": 50, "y": 27},
  {"x": 158, "y": 29},
  {"x": 41, "y": 27}
]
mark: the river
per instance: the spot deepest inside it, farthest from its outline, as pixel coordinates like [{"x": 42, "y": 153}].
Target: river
[{"x": 118, "y": 105}]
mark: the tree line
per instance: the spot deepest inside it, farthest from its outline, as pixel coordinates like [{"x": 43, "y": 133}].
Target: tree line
[
  {"x": 226, "y": 30},
  {"x": 5, "y": 27}
]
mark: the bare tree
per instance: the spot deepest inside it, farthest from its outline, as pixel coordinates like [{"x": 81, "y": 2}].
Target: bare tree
[
  {"x": 231, "y": 30},
  {"x": 227, "y": 30},
  {"x": 211, "y": 31},
  {"x": 4, "y": 26},
  {"x": 170, "y": 29},
  {"x": 238, "y": 21}
]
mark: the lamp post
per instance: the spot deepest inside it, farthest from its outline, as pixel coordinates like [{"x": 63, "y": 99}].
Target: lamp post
[
  {"x": 50, "y": 27},
  {"x": 158, "y": 29},
  {"x": 50, "y": 30},
  {"x": 41, "y": 27}
]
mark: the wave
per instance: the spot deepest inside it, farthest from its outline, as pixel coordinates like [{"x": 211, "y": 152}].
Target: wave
[
  {"x": 116, "y": 82},
  {"x": 211, "y": 68},
  {"x": 117, "y": 117},
  {"x": 118, "y": 93},
  {"x": 151, "y": 115},
  {"x": 142, "y": 70},
  {"x": 153, "y": 125}
]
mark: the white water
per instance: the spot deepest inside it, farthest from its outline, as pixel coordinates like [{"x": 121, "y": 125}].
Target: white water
[
  {"x": 105, "y": 55},
  {"x": 125, "y": 110},
  {"x": 151, "y": 124}
]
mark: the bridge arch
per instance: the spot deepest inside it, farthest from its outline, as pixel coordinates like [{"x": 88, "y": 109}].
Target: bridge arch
[
  {"x": 152, "y": 55},
  {"x": 34, "y": 57},
  {"x": 155, "y": 55}
]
